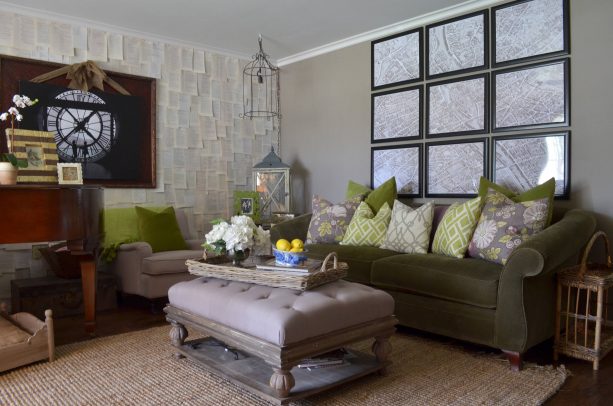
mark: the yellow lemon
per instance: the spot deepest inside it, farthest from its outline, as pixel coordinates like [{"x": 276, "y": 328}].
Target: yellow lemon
[
  {"x": 283, "y": 245},
  {"x": 296, "y": 249},
  {"x": 297, "y": 243}
]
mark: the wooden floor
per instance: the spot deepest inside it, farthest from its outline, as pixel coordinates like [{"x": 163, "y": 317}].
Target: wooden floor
[{"x": 584, "y": 387}]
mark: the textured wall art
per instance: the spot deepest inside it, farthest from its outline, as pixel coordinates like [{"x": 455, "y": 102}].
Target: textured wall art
[
  {"x": 401, "y": 161},
  {"x": 522, "y": 162},
  {"x": 457, "y": 45},
  {"x": 531, "y": 96},
  {"x": 396, "y": 59},
  {"x": 396, "y": 114},
  {"x": 458, "y": 106},
  {"x": 529, "y": 29},
  {"x": 453, "y": 168}
]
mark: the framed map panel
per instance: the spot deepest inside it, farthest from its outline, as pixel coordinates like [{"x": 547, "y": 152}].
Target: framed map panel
[
  {"x": 531, "y": 96},
  {"x": 521, "y": 162},
  {"x": 458, "y": 45},
  {"x": 529, "y": 29},
  {"x": 401, "y": 161},
  {"x": 453, "y": 168},
  {"x": 396, "y": 115},
  {"x": 396, "y": 60},
  {"x": 458, "y": 106}
]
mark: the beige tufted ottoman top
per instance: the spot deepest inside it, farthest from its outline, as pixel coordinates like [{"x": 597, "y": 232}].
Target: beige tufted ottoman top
[{"x": 281, "y": 316}]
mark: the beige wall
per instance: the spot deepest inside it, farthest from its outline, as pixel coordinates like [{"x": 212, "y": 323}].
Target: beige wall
[{"x": 326, "y": 117}]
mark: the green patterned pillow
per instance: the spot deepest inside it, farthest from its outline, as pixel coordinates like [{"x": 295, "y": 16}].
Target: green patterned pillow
[
  {"x": 456, "y": 228},
  {"x": 409, "y": 229},
  {"x": 366, "y": 228}
]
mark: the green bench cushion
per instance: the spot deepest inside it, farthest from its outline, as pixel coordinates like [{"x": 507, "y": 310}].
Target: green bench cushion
[{"x": 467, "y": 280}]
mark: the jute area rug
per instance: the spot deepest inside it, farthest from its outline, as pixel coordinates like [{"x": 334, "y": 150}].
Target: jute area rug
[{"x": 138, "y": 368}]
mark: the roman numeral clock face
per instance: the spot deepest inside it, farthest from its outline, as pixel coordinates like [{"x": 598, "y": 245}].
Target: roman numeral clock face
[{"x": 84, "y": 130}]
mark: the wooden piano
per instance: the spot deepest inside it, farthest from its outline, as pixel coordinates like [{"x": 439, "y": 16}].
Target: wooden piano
[{"x": 57, "y": 213}]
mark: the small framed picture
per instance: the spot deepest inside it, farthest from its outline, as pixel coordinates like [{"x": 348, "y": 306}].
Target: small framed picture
[
  {"x": 458, "y": 45},
  {"x": 531, "y": 96},
  {"x": 400, "y": 161},
  {"x": 69, "y": 174},
  {"x": 453, "y": 168},
  {"x": 396, "y": 115},
  {"x": 39, "y": 150},
  {"x": 247, "y": 203}
]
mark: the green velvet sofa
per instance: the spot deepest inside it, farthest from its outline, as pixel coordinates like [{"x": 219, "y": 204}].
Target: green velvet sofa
[{"x": 507, "y": 307}]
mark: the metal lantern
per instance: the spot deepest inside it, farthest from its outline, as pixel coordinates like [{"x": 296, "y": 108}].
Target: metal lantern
[
  {"x": 260, "y": 87},
  {"x": 271, "y": 178}
]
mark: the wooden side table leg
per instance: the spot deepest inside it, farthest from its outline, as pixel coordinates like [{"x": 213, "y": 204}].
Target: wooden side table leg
[
  {"x": 382, "y": 348},
  {"x": 282, "y": 381},
  {"x": 88, "y": 280}
]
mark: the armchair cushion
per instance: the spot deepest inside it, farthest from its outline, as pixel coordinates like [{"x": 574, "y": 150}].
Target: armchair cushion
[
  {"x": 160, "y": 229},
  {"x": 168, "y": 262}
]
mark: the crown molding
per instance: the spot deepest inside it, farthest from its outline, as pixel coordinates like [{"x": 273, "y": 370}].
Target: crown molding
[
  {"x": 61, "y": 18},
  {"x": 442, "y": 14}
]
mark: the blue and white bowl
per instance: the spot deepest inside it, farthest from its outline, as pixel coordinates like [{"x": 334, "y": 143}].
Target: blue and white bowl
[{"x": 288, "y": 258}]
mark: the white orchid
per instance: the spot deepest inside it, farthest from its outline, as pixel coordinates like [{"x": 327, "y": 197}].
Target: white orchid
[
  {"x": 18, "y": 117},
  {"x": 4, "y": 116}
]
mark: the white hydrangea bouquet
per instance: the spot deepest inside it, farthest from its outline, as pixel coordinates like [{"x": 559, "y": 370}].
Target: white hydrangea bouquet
[{"x": 236, "y": 237}]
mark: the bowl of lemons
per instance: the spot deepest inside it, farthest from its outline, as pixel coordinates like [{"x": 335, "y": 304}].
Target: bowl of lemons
[{"x": 289, "y": 253}]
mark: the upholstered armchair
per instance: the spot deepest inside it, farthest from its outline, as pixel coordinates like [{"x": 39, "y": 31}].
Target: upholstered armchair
[{"x": 140, "y": 270}]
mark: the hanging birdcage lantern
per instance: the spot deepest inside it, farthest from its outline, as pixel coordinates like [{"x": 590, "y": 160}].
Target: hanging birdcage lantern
[{"x": 260, "y": 87}]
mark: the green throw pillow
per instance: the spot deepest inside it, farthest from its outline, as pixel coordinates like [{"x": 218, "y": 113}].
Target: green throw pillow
[
  {"x": 160, "y": 229},
  {"x": 366, "y": 228},
  {"x": 456, "y": 228},
  {"x": 544, "y": 190},
  {"x": 354, "y": 189},
  {"x": 386, "y": 193}
]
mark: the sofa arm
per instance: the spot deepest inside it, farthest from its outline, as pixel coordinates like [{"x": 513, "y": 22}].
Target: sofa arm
[
  {"x": 128, "y": 263},
  {"x": 290, "y": 229},
  {"x": 526, "y": 290}
]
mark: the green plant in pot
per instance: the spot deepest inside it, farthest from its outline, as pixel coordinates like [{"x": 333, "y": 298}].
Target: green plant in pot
[{"x": 9, "y": 163}]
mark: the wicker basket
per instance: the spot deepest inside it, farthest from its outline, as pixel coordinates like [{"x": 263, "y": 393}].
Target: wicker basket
[
  {"x": 583, "y": 329},
  {"x": 331, "y": 270}
]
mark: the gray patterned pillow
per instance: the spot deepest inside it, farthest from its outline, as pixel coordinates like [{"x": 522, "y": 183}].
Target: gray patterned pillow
[
  {"x": 329, "y": 221},
  {"x": 504, "y": 225},
  {"x": 409, "y": 230}
]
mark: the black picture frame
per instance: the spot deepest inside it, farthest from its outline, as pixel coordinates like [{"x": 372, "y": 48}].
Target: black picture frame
[
  {"x": 524, "y": 103},
  {"x": 374, "y": 61},
  {"x": 454, "y": 170},
  {"x": 458, "y": 104},
  {"x": 459, "y": 70},
  {"x": 565, "y": 49},
  {"x": 399, "y": 175},
  {"x": 401, "y": 109},
  {"x": 532, "y": 152}
]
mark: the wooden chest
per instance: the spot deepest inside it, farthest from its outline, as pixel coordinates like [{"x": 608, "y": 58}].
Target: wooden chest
[{"x": 63, "y": 296}]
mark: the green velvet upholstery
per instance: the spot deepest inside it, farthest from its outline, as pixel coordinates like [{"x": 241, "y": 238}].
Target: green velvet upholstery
[
  {"x": 386, "y": 192},
  {"x": 467, "y": 280},
  {"x": 509, "y": 307}
]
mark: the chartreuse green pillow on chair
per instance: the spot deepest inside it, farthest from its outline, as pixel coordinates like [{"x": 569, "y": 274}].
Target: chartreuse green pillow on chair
[
  {"x": 544, "y": 190},
  {"x": 160, "y": 229}
]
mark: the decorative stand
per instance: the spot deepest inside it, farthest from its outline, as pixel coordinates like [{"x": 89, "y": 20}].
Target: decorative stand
[{"x": 587, "y": 332}]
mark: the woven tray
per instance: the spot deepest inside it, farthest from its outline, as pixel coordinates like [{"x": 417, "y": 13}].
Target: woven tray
[{"x": 330, "y": 271}]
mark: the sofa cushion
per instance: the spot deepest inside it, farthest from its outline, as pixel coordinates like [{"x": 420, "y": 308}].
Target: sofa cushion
[
  {"x": 504, "y": 225},
  {"x": 456, "y": 228},
  {"x": 160, "y": 229},
  {"x": 366, "y": 228},
  {"x": 167, "y": 262},
  {"x": 409, "y": 229},
  {"x": 359, "y": 259},
  {"x": 466, "y": 280},
  {"x": 329, "y": 221},
  {"x": 386, "y": 192}
]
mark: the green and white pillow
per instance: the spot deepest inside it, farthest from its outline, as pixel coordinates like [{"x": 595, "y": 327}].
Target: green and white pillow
[
  {"x": 456, "y": 228},
  {"x": 366, "y": 228},
  {"x": 409, "y": 229}
]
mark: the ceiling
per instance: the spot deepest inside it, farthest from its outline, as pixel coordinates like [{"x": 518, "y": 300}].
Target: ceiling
[{"x": 289, "y": 27}]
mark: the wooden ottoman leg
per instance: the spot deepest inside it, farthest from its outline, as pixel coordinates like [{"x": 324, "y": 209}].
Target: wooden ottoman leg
[
  {"x": 382, "y": 348},
  {"x": 282, "y": 381},
  {"x": 178, "y": 334}
]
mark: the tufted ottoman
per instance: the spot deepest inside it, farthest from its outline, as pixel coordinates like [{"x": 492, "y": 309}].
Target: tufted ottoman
[{"x": 282, "y": 326}]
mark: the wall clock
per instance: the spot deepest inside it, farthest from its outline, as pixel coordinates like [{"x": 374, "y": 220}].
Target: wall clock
[{"x": 85, "y": 131}]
